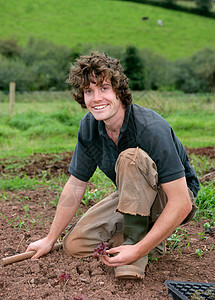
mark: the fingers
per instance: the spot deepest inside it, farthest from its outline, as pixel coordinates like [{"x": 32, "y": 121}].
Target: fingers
[
  {"x": 114, "y": 250},
  {"x": 40, "y": 247},
  {"x": 115, "y": 260},
  {"x": 112, "y": 261},
  {"x": 30, "y": 248},
  {"x": 123, "y": 255},
  {"x": 37, "y": 255}
]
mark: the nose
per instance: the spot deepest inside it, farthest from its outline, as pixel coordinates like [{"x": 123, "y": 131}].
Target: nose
[{"x": 97, "y": 95}]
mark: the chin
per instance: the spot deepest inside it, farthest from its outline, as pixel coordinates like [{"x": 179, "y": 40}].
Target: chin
[{"x": 99, "y": 117}]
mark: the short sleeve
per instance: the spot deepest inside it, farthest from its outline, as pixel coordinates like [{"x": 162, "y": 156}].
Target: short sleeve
[
  {"x": 82, "y": 165},
  {"x": 164, "y": 152}
]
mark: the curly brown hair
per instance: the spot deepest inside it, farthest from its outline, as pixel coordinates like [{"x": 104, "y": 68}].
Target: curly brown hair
[{"x": 96, "y": 68}]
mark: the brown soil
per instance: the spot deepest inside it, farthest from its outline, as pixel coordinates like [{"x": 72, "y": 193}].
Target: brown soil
[{"x": 38, "y": 279}]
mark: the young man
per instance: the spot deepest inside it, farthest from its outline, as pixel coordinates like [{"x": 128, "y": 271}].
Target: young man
[{"x": 139, "y": 152}]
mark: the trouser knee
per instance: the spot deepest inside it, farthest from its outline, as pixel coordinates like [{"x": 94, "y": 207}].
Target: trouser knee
[
  {"x": 78, "y": 246},
  {"x": 70, "y": 246},
  {"x": 136, "y": 179},
  {"x": 98, "y": 224}
]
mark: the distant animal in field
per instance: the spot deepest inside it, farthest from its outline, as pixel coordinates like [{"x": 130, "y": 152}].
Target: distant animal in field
[{"x": 160, "y": 22}]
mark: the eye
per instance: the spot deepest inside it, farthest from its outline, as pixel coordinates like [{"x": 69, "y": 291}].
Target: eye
[
  {"x": 104, "y": 88},
  {"x": 87, "y": 92}
]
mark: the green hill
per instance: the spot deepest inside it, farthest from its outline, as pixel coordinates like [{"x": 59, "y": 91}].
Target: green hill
[{"x": 101, "y": 22}]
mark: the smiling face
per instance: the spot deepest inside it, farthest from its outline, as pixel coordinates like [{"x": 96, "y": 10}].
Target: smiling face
[{"x": 102, "y": 102}]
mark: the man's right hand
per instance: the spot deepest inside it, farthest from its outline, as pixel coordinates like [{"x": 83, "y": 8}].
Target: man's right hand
[{"x": 41, "y": 247}]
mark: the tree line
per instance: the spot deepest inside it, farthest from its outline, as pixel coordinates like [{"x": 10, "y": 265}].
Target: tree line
[
  {"x": 41, "y": 65},
  {"x": 201, "y": 7}
]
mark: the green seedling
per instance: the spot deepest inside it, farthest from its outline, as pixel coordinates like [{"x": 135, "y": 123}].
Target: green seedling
[
  {"x": 174, "y": 241},
  {"x": 20, "y": 224},
  {"x": 201, "y": 236},
  {"x": 188, "y": 246},
  {"x": 211, "y": 248},
  {"x": 200, "y": 253},
  {"x": 4, "y": 196},
  {"x": 151, "y": 259},
  {"x": 26, "y": 208},
  {"x": 23, "y": 199},
  {"x": 16, "y": 225},
  {"x": 208, "y": 225}
]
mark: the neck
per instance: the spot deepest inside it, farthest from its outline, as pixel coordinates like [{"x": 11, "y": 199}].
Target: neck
[{"x": 113, "y": 128}]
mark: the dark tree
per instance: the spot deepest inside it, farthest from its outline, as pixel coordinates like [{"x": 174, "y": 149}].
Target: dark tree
[
  {"x": 204, "y": 5},
  {"x": 134, "y": 68}
]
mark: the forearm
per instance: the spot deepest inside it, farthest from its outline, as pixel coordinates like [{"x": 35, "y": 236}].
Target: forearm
[
  {"x": 169, "y": 220},
  {"x": 63, "y": 217},
  {"x": 69, "y": 201}
]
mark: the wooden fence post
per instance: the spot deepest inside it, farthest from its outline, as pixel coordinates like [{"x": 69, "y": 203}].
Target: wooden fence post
[{"x": 12, "y": 96}]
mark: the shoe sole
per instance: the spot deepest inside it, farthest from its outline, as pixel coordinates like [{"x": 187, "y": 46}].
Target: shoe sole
[{"x": 129, "y": 272}]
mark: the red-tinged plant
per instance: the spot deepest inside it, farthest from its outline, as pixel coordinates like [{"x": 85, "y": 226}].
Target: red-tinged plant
[
  {"x": 100, "y": 250},
  {"x": 81, "y": 297},
  {"x": 62, "y": 277}
]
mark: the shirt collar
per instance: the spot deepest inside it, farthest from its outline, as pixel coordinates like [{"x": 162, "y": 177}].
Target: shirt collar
[
  {"x": 101, "y": 125},
  {"x": 126, "y": 119}
]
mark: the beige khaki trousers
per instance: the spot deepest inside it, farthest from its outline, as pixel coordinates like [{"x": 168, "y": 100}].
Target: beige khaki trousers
[{"x": 138, "y": 193}]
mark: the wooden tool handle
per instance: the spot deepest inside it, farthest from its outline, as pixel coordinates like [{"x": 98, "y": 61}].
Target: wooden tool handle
[{"x": 18, "y": 257}]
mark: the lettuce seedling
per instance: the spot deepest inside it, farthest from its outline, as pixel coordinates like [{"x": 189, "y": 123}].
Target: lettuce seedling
[
  {"x": 62, "y": 276},
  {"x": 100, "y": 250},
  {"x": 81, "y": 297}
]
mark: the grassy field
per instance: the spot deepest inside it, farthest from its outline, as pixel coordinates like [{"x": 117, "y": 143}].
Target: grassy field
[
  {"x": 105, "y": 22},
  {"x": 48, "y": 122}
]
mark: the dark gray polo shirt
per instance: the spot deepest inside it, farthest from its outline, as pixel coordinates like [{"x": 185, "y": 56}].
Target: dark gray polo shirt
[{"x": 142, "y": 127}]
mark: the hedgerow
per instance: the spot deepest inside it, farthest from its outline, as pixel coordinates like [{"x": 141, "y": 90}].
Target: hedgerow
[{"x": 41, "y": 65}]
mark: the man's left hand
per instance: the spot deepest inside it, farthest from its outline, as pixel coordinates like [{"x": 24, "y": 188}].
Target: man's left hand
[{"x": 124, "y": 255}]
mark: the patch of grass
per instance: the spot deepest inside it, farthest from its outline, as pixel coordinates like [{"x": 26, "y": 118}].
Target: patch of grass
[
  {"x": 101, "y": 187},
  {"x": 34, "y": 124},
  {"x": 199, "y": 126},
  {"x": 74, "y": 23},
  {"x": 30, "y": 131},
  {"x": 7, "y": 132},
  {"x": 23, "y": 146},
  {"x": 17, "y": 183},
  {"x": 205, "y": 202},
  {"x": 201, "y": 164},
  {"x": 190, "y": 116},
  {"x": 48, "y": 122}
]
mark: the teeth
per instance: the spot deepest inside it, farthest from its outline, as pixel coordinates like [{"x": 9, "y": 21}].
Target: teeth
[{"x": 100, "y": 107}]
